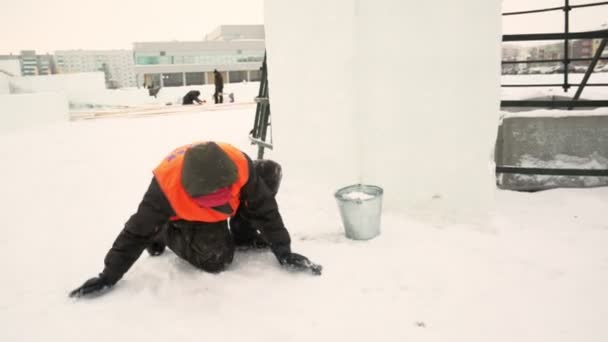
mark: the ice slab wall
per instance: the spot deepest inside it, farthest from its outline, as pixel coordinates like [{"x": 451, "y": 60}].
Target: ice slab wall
[
  {"x": 407, "y": 95},
  {"x": 70, "y": 84},
  {"x": 311, "y": 63},
  {"x": 4, "y": 85},
  {"x": 10, "y": 66},
  {"x": 20, "y": 111},
  {"x": 428, "y": 98}
]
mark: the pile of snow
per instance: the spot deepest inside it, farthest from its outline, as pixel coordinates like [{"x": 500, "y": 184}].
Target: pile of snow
[
  {"x": 357, "y": 195},
  {"x": 564, "y": 161}
]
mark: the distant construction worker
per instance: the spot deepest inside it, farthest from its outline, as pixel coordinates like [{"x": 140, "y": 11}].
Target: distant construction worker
[
  {"x": 191, "y": 97},
  {"x": 153, "y": 90},
  {"x": 219, "y": 87}
]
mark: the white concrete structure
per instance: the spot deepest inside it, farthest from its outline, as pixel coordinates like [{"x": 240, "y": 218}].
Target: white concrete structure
[
  {"x": 236, "y": 51},
  {"x": 118, "y": 64},
  {"x": 419, "y": 122},
  {"x": 31, "y": 110}
]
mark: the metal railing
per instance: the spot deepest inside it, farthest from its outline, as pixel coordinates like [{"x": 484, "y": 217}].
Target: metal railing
[{"x": 566, "y": 36}]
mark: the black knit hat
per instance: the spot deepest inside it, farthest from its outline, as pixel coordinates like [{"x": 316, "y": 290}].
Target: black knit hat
[{"x": 206, "y": 169}]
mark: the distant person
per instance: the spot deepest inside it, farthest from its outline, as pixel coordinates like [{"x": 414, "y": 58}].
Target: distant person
[
  {"x": 219, "y": 87},
  {"x": 205, "y": 199},
  {"x": 191, "y": 97},
  {"x": 153, "y": 90}
]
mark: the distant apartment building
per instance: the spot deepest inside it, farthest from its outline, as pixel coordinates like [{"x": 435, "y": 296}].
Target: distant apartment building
[
  {"x": 237, "y": 32},
  {"x": 29, "y": 64},
  {"x": 237, "y": 51},
  {"x": 116, "y": 64},
  {"x": 553, "y": 51},
  {"x": 582, "y": 48},
  {"x": 510, "y": 53},
  {"x": 32, "y": 64}
]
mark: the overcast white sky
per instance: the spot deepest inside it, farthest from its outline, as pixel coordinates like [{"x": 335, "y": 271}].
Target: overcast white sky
[{"x": 49, "y": 25}]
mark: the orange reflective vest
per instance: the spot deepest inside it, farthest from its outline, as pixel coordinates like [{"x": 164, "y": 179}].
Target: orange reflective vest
[{"x": 169, "y": 176}]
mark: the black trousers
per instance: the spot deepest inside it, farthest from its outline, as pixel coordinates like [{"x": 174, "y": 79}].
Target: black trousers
[
  {"x": 218, "y": 95},
  {"x": 207, "y": 246}
]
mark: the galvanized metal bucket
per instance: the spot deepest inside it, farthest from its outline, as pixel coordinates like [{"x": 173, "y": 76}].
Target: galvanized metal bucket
[{"x": 360, "y": 208}]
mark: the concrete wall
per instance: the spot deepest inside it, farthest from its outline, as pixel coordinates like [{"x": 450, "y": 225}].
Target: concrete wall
[
  {"x": 31, "y": 110},
  {"x": 552, "y": 142}
]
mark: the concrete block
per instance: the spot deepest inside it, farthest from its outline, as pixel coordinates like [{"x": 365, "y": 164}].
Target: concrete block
[{"x": 578, "y": 141}]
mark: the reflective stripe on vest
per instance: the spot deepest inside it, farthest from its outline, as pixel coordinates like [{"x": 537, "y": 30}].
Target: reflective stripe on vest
[{"x": 169, "y": 176}]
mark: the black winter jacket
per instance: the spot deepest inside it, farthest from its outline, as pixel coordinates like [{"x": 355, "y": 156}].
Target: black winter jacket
[
  {"x": 191, "y": 97},
  {"x": 218, "y": 80},
  {"x": 261, "y": 211}
]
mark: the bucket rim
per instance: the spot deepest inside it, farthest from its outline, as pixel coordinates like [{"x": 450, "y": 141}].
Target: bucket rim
[{"x": 339, "y": 194}]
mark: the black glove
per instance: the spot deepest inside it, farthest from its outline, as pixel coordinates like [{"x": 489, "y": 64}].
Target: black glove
[
  {"x": 299, "y": 262},
  {"x": 92, "y": 286}
]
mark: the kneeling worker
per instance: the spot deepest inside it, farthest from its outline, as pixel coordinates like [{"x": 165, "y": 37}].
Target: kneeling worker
[
  {"x": 193, "y": 193},
  {"x": 191, "y": 97}
]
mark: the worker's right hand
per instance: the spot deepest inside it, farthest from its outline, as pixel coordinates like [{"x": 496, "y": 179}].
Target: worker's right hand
[
  {"x": 299, "y": 262},
  {"x": 93, "y": 286}
]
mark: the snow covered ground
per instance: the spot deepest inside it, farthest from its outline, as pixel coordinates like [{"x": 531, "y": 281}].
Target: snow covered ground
[{"x": 535, "y": 269}]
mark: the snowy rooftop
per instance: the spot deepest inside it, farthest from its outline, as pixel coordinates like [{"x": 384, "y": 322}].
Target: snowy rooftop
[{"x": 533, "y": 269}]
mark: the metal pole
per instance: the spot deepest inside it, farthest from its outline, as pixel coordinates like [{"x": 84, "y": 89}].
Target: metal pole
[
  {"x": 259, "y": 107},
  {"x": 592, "y": 65},
  {"x": 566, "y": 47},
  {"x": 264, "y": 109}
]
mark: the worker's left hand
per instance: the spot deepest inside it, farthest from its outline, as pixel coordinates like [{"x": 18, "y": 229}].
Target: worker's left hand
[
  {"x": 91, "y": 287},
  {"x": 299, "y": 262}
]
